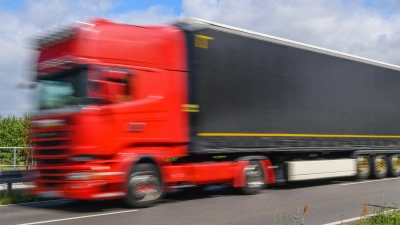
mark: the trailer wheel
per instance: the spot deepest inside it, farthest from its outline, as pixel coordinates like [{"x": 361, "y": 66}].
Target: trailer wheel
[
  {"x": 255, "y": 180},
  {"x": 363, "y": 167},
  {"x": 380, "y": 166},
  {"x": 394, "y": 167},
  {"x": 145, "y": 186}
]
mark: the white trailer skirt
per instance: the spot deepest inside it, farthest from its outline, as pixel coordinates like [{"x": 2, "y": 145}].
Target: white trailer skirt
[{"x": 318, "y": 169}]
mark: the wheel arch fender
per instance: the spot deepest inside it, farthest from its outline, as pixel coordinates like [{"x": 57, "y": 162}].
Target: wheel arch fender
[{"x": 151, "y": 159}]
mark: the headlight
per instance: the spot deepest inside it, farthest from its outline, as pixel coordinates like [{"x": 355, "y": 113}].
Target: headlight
[
  {"x": 82, "y": 158},
  {"x": 78, "y": 176},
  {"x": 92, "y": 175}
]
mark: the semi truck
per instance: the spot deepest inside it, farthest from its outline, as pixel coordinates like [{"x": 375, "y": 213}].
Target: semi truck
[{"x": 133, "y": 112}]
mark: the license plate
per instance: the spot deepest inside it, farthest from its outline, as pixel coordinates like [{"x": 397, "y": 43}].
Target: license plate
[{"x": 50, "y": 194}]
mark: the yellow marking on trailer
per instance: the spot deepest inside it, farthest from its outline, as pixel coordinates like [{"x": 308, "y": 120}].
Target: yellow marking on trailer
[
  {"x": 294, "y": 135},
  {"x": 190, "y": 108},
  {"x": 201, "y": 41},
  {"x": 204, "y": 37}
]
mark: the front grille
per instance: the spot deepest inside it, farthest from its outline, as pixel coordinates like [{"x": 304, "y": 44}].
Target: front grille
[
  {"x": 51, "y": 134},
  {"x": 52, "y": 177},
  {"x": 52, "y": 185},
  {"x": 50, "y": 172},
  {"x": 49, "y": 162},
  {"x": 52, "y": 146},
  {"x": 52, "y": 152},
  {"x": 51, "y": 143}
]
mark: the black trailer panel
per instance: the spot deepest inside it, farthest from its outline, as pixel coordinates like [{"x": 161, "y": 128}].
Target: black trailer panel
[{"x": 255, "y": 94}]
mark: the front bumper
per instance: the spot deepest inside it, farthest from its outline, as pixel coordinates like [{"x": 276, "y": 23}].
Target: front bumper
[{"x": 82, "y": 189}]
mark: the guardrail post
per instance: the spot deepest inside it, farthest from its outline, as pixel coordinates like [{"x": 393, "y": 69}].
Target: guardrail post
[
  {"x": 15, "y": 158},
  {"x": 9, "y": 187},
  {"x": 32, "y": 161}
]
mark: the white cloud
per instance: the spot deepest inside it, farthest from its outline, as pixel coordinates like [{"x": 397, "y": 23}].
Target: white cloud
[
  {"x": 153, "y": 15},
  {"x": 350, "y": 27}
]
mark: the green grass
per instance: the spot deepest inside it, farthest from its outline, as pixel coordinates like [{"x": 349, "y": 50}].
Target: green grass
[
  {"x": 17, "y": 196},
  {"x": 383, "y": 215},
  {"x": 4, "y": 168},
  {"x": 388, "y": 218}
]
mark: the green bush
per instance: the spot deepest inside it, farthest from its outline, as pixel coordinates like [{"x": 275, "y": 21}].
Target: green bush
[{"x": 15, "y": 132}]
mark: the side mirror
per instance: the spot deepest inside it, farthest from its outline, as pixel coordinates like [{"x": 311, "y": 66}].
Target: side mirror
[{"x": 109, "y": 85}]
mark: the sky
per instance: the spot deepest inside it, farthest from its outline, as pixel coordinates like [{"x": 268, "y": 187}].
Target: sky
[{"x": 366, "y": 28}]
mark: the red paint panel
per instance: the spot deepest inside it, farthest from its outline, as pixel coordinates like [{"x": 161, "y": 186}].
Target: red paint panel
[
  {"x": 200, "y": 173},
  {"x": 213, "y": 172},
  {"x": 174, "y": 173},
  {"x": 160, "y": 47},
  {"x": 239, "y": 176}
]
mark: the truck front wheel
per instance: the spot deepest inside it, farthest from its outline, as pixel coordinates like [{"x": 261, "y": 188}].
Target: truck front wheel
[
  {"x": 254, "y": 178},
  {"x": 145, "y": 186}
]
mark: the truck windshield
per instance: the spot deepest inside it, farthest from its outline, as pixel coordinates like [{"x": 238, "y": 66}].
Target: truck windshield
[{"x": 63, "y": 89}]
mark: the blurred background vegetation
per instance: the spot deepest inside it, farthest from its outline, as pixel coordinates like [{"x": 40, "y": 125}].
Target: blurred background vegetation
[{"x": 15, "y": 132}]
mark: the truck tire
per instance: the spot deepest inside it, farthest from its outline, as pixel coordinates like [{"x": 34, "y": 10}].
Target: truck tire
[
  {"x": 379, "y": 166},
  {"x": 394, "y": 165},
  {"x": 254, "y": 178},
  {"x": 363, "y": 167},
  {"x": 145, "y": 186}
]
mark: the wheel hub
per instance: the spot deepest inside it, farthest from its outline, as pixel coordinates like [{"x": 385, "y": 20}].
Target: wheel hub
[
  {"x": 363, "y": 165},
  {"x": 254, "y": 176},
  {"x": 380, "y": 165},
  {"x": 145, "y": 187},
  {"x": 396, "y": 164}
]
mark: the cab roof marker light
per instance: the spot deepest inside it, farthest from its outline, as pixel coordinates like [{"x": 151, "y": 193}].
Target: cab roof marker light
[
  {"x": 56, "y": 62},
  {"x": 86, "y": 23}
]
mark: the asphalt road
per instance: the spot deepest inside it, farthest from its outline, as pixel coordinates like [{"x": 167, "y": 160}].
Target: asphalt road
[{"x": 328, "y": 201}]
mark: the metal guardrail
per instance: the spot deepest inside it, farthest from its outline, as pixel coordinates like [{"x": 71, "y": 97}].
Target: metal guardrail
[
  {"x": 12, "y": 176},
  {"x": 20, "y": 170},
  {"x": 26, "y": 153}
]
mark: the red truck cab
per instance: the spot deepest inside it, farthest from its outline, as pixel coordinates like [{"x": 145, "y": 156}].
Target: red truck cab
[{"x": 114, "y": 115}]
